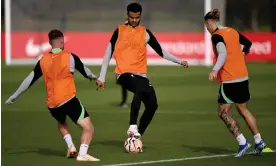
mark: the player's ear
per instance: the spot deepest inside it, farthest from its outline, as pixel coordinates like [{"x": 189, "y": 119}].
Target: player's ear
[
  {"x": 126, "y": 17},
  {"x": 208, "y": 22}
]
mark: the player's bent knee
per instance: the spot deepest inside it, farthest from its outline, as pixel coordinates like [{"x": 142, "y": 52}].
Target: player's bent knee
[
  {"x": 86, "y": 124},
  {"x": 89, "y": 129},
  {"x": 152, "y": 108},
  {"x": 223, "y": 112},
  {"x": 241, "y": 107},
  {"x": 62, "y": 124},
  {"x": 155, "y": 106},
  {"x": 223, "y": 115},
  {"x": 220, "y": 113}
]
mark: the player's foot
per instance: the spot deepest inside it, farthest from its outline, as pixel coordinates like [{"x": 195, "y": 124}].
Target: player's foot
[
  {"x": 133, "y": 132},
  {"x": 86, "y": 157},
  {"x": 72, "y": 152},
  {"x": 243, "y": 149},
  {"x": 259, "y": 147},
  {"x": 123, "y": 105}
]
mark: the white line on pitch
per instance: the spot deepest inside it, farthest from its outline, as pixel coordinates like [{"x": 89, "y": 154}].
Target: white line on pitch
[{"x": 174, "y": 160}]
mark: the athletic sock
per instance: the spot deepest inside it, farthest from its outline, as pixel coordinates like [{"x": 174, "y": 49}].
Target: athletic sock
[
  {"x": 257, "y": 138},
  {"x": 241, "y": 139},
  {"x": 68, "y": 140},
  {"x": 83, "y": 149},
  {"x": 133, "y": 127}
]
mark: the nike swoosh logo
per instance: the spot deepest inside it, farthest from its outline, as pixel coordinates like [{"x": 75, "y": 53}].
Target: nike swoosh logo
[{"x": 34, "y": 50}]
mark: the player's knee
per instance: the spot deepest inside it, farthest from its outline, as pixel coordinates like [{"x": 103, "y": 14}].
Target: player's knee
[
  {"x": 153, "y": 107},
  {"x": 220, "y": 113},
  {"x": 87, "y": 125},
  {"x": 62, "y": 125},
  {"x": 242, "y": 108},
  {"x": 88, "y": 128},
  {"x": 223, "y": 113},
  {"x": 224, "y": 110}
]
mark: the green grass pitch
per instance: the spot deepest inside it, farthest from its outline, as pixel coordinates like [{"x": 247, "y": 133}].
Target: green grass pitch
[{"x": 185, "y": 125}]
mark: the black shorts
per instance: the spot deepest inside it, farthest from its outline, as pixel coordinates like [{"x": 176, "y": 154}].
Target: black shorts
[
  {"x": 237, "y": 92},
  {"x": 141, "y": 87},
  {"x": 135, "y": 83},
  {"x": 73, "y": 108}
]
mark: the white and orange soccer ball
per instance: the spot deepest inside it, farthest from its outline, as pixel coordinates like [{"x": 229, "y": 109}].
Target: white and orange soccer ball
[{"x": 133, "y": 145}]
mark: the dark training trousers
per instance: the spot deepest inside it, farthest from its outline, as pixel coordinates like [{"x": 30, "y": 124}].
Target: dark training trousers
[{"x": 143, "y": 92}]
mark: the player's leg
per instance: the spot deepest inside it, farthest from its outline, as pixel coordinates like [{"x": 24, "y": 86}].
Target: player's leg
[
  {"x": 135, "y": 107},
  {"x": 241, "y": 104},
  {"x": 150, "y": 101},
  {"x": 131, "y": 82},
  {"x": 124, "y": 96},
  {"x": 80, "y": 116},
  {"x": 134, "y": 112},
  {"x": 225, "y": 115},
  {"x": 252, "y": 125},
  {"x": 225, "y": 104},
  {"x": 86, "y": 138},
  {"x": 248, "y": 117},
  {"x": 60, "y": 115}
]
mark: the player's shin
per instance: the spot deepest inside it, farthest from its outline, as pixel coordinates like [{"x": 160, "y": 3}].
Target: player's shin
[
  {"x": 87, "y": 134},
  {"x": 86, "y": 137},
  {"x": 253, "y": 126},
  {"x": 124, "y": 96},
  {"x": 248, "y": 117},
  {"x": 230, "y": 123},
  {"x": 147, "y": 117},
  {"x": 64, "y": 130},
  {"x": 134, "y": 112},
  {"x": 135, "y": 107}
]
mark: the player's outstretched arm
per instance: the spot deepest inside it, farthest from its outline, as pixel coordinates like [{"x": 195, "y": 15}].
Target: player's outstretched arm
[
  {"x": 107, "y": 57},
  {"x": 76, "y": 63},
  {"x": 27, "y": 83},
  {"x": 152, "y": 41}
]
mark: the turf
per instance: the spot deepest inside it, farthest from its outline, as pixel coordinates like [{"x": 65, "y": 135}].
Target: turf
[{"x": 186, "y": 123}]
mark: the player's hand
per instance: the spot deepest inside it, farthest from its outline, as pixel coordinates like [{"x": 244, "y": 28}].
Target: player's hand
[
  {"x": 213, "y": 75},
  {"x": 10, "y": 100},
  {"x": 99, "y": 84},
  {"x": 185, "y": 64}
]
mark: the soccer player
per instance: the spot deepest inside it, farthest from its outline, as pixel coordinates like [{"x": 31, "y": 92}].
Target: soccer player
[
  {"x": 230, "y": 71},
  {"x": 128, "y": 43},
  {"x": 57, "y": 68}
]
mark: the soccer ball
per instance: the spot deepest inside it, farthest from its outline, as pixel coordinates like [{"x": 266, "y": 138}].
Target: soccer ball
[{"x": 133, "y": 145}]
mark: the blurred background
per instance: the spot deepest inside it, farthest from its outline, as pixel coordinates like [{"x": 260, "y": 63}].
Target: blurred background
[
  {"x": 186, "y": 122},
  {"x": 158, "y": 15},
  {"x": 177, "y": 24}
]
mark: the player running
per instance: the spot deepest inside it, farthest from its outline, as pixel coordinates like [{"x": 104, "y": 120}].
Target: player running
[
  {"x": 128, "y": 43},
  {"x": 57, "y": 68},
  {"x": 231, "y": 72}
]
